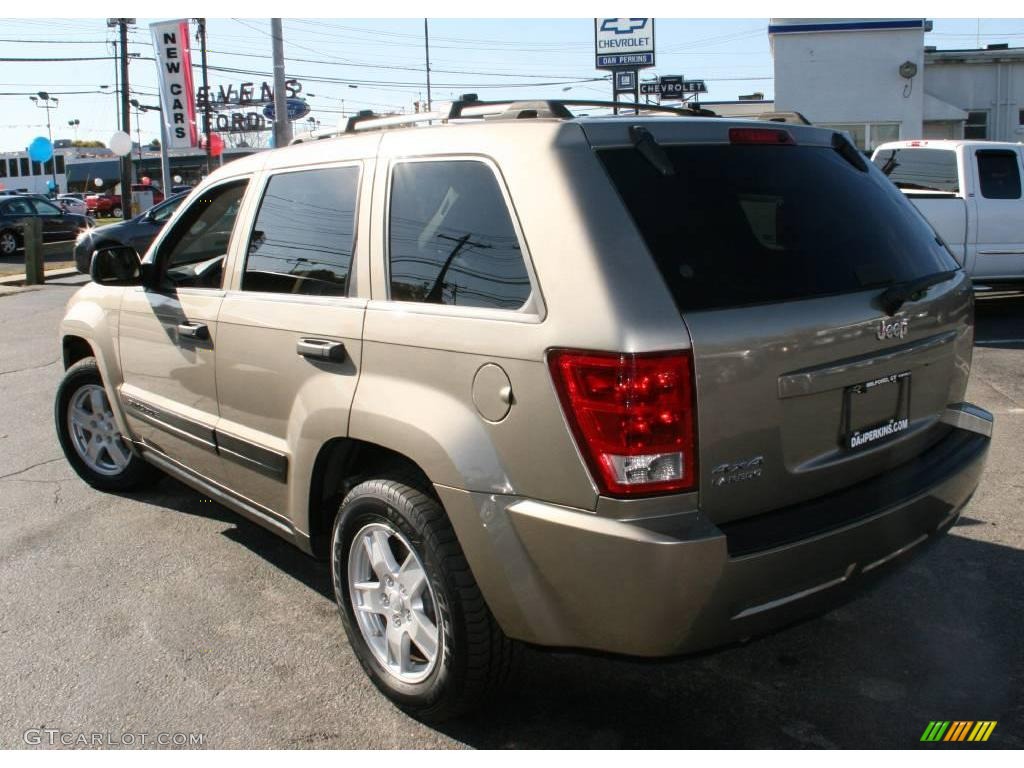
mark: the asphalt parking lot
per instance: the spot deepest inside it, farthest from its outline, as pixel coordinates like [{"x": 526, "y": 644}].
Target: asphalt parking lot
[{"x": 164, "y": 612}]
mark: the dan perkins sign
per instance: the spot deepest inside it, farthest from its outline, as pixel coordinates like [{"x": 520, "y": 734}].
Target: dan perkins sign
[
  {"x": 177, "y": 97},
  {"x": 624, "y": 43}
]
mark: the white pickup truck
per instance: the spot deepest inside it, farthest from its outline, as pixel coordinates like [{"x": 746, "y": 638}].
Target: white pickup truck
[{"x": 970, "y": 191}]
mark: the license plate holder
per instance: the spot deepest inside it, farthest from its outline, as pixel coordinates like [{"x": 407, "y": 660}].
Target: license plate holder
[{"x": 875, "y": 411}]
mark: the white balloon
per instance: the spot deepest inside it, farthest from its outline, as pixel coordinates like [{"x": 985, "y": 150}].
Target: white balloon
[
  {"x": 121, "y": 143},
  {"x": 98, "y": 181},
  {"x": 177, "y": 179}
]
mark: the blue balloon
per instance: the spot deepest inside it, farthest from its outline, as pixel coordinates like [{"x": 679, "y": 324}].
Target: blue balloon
[
  {"x": 50, "y": 184},
  {"x": 40, "y": 150}
]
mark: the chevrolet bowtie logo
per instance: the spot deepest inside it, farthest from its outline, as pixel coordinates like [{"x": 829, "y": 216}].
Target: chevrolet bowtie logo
[{"x": 623, "y": 26}]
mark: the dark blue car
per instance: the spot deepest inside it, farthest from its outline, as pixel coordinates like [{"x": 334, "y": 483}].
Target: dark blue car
[{"x": 138, "y": 232}]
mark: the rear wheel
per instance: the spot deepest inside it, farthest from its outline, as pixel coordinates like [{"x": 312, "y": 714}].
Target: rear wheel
[
  {"x": 89, "y": 436},
  {"x": 117, "y": 212},
  {"x": 8, "y": 243},
  {"x": 411, "y": 609}
]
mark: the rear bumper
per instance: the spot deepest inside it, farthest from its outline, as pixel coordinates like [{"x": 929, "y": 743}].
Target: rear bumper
[{"x": 561, "y": 577}]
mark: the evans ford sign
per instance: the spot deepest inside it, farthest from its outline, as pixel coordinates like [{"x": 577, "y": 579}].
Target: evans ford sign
[{"x": 624, "y": 43}]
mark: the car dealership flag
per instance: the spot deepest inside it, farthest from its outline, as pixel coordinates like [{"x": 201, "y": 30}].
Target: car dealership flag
[{"x": 177, "y": 95}]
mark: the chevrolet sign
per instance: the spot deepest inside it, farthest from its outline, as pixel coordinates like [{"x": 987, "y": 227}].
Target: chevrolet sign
[{"x": 624, "y": 43}]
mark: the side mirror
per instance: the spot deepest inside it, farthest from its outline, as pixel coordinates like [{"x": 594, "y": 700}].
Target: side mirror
[{"x": 117, "y": 265}]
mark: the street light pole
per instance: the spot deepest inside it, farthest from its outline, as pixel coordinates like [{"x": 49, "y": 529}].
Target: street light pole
[
  {"x": 45, "y": 101},
  {"x": 426, "y": 50}
]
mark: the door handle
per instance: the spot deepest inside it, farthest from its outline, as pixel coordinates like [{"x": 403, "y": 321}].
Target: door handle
[
  {"x": 194, "y": 331},
  {"x": 321, "y": 349}
]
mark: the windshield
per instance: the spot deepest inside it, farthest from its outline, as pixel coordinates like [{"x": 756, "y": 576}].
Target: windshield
[{"x": 738, "y": 225}]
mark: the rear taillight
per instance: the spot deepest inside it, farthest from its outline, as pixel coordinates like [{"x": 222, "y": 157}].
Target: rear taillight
[
  {"x": 633, "y": 416},
  {"x": 775, "y": 136}
]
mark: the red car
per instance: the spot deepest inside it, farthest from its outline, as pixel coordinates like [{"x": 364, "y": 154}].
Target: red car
[{"x": 110, "y": 205}]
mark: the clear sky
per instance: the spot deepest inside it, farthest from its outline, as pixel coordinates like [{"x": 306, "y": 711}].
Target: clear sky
[{"x": 384, "y": 59}]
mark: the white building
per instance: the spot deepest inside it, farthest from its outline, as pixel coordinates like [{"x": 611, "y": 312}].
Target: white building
[{"x": 876, "y": 79}]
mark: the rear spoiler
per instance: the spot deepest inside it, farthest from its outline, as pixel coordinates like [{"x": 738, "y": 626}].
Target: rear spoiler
[{"x": 795, "y": 118}]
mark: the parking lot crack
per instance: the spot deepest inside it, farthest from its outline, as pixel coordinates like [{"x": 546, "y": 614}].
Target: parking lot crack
[
  {"x": 10, "y": 475},
  {"x": 31, "y": 367}
]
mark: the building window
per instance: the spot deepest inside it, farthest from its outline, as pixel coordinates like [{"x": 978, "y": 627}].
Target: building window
[
  {"x": 48, "y": 167},
  {"x": 976, "y": 126},
  {"x": 452, "y": 240},
  {"x": 37, "y": 168},
  {"x": 1020, "y": 117},
  {"x": 867, "y": 136},
  {"x": 60, "y": 164},
  {"x": 13, "y": 165},
  {"x": 3, "y": 169},
  {"x": 24, "y": 166}
]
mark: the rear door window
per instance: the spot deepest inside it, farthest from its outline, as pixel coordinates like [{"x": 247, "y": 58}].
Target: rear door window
[
  {"x": 932, "y": 170},
  {"x": 739, "y": 225},
  {"x": 451, "y": 237},
  {"x": 304, "y": 232},
  {"x": 999, "y": 174}
]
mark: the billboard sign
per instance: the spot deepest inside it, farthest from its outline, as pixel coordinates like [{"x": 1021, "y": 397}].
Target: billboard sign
[
  {"x": 624, "y": 43},
  {"x": 673, "y": 87},
  {"x": 177, "y": 95}
]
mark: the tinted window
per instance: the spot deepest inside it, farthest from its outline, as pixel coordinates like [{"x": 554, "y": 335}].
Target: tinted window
[
  {"x": 19, "y": 207},
  {"x": 44, "y": 208},
  {"x": 743, "y": 225},
  {"x": 193, "y": 253},
  {"x": 452, "y": 239},
  {"x": 999, "y": 174},
  {"x": 918, "y": 168},
  {"x": 304, "y": 232},
  {"x": 163, "y": 211}
]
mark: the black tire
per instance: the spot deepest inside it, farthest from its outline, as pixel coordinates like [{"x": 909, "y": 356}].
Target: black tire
[
  {"x": 117, "y": 212},
  {"x": 137, "y": 474},
  {"x": 475, "y": 655},
  {"x": 7, "y": 237}
]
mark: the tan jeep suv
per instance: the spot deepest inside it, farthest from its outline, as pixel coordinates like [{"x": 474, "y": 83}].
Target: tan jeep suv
[{"x": 642, "y": 384}]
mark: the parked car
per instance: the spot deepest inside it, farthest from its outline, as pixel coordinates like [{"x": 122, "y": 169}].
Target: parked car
[
  {"x": 643, "y": 385},
  {"x": 102, "y": 205},
  {"x": 135, "y": 233},
  {"x": 970, "y": 192},
  {"x": 73, "y": 204},
  {"x": 57, "y": 224}
]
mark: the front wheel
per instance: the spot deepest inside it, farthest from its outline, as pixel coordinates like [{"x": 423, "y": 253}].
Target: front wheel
[
  {"x": 89, "y": 436},
  {"x": 411, "y": 609}
]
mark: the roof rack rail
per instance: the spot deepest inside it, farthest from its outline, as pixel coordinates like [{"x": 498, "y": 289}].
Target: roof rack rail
[{"x": 469, "y": 106}]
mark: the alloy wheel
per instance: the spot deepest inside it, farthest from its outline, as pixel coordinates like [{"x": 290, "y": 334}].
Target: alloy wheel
[
  {"x": 393, "y": 602},
  {"x": 94, "y": 433}
]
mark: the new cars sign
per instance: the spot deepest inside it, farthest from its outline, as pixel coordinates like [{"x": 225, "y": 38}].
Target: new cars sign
[
  {"x": 177, "y": 96},
  {"x": 624, "y": 43}
]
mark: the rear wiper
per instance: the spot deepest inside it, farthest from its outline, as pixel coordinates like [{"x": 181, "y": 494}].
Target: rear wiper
[
  {"x": 651, "y": 150},
  {"x": 894, "y": 296}
]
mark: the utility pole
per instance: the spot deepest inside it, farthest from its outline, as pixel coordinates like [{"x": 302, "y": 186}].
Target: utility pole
[
  {"x": 126, "y": 122},
  {"x": 48, "y": 102},
  {"x": 201, "y": 23},
  {"x": 282, "y": 128},
  {"x": 426, "y": 48}
]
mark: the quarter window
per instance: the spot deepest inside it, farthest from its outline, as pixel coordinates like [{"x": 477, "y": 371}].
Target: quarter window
[
  {"x": 193, "y": 253},
  {"x": 999, "y": 173},
  {"x": 451, "y": 237},
  {"x": 304, "y": 232}
]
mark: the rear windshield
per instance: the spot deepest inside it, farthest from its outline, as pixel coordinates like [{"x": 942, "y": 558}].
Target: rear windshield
[
  {"x": 738, "y": 225},
  {"x": 916, "y": 168}
]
